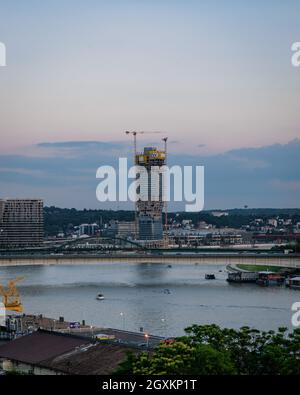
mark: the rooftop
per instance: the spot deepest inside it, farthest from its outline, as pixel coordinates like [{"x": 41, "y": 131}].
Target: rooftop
[
  {"x": 94, "y": 359},
  {"x": 39, "y": 346},
  {"x": 66, "y": 353}
]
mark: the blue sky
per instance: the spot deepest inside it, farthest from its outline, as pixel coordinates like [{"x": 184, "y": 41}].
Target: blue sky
[{"x": 216, "y": 76}]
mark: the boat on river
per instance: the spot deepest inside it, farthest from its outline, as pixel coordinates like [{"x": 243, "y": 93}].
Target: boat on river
[{"x": 210, "y": 277}]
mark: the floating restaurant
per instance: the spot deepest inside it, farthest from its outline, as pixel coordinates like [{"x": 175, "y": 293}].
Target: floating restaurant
[
  {"x": 270, "y": 278},
  {"x": 293, "y": 282},
  {"x": 242, "y": 277}
]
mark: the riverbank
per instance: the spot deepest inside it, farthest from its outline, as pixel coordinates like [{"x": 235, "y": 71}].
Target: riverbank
[
  {"x": 279, "y": 260},
  {"x": 260, "y": 268},
  {"x": 256, "y": 268}
]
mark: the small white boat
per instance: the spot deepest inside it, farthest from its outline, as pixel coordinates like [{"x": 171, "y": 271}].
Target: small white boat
[{"x": 100, "y": 297}]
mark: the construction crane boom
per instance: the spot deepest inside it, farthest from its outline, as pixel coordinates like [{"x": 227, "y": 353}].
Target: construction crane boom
[{"x": 134, "y": 133}]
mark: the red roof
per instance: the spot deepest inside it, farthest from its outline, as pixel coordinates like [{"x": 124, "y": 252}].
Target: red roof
[{"x": 39, "y": 346}]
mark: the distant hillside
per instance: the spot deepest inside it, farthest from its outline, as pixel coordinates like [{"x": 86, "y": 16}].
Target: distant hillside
[
  {"x": 61, "y": 219},
  {"x": 263, "y": 212},
  {"x": 64, "y": 219}
]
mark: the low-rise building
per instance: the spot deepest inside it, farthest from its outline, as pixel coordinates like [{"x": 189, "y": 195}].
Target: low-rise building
[
  {"x": 121, "y": 229},
  {"x": 126, "y": 229},
  {"x": 51, "y": 353},
  {"x": 219, "y": 213},
  {"x": 88, "y": 229},
  {"x": 273, "y": 222}
]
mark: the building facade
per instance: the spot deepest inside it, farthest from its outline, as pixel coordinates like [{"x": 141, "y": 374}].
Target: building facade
[
  {"x": 126, "y": 229},
  {"x": 120, "y": 229},
  {"x": 21, "y": 222},
  {"x": 88, "y": 229},
  {"x": 149, "y": 210}
]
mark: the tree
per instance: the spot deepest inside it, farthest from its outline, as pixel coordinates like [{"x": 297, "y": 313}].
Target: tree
[
  {"x": 211, "y": 350},
  {"x": 182, "y": 358}
]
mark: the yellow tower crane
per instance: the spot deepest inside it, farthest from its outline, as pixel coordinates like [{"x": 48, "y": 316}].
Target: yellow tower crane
[
  {"x": 134, "y": 133},
  {"x": 10, "y": 295}
]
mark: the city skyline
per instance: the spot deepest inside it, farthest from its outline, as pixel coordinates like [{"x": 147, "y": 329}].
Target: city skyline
[{"x": 149, "y": 192}]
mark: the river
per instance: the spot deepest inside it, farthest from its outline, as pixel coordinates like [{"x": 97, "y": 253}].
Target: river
[{"x": 139, "y": 292}]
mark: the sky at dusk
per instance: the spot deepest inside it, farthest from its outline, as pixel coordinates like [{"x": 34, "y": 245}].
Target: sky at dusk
[{"x": 215, "y": 76}]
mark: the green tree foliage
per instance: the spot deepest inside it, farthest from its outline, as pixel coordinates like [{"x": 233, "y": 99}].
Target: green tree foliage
[
  {"x": 210, "y": 350},
  {"x": 64, "y": 219}
]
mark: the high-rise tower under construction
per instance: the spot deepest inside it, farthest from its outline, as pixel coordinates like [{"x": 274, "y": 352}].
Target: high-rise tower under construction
[{"x": 149, "y": 210}]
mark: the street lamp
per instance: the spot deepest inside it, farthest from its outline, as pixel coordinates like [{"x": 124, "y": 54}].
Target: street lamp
[
  {"x": 147, "y": 339},
  {"x": 123, "y": 317}
]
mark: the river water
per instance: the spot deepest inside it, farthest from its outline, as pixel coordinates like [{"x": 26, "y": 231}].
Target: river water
[{"x": 159, "y": 299}]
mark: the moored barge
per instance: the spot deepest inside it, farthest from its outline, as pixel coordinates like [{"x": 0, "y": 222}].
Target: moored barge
[{"x": 293, "y": 282}]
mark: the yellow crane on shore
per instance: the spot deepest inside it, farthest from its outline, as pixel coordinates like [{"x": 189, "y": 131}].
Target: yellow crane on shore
[{"x": 11, "y": 296}]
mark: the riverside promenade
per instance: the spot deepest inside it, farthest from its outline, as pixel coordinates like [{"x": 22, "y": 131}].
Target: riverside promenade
[
  {"x": 273, "y": 259},
  {"x": 26, "y": 323}
]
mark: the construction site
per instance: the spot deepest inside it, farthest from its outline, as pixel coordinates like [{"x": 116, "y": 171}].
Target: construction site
[{"x": 149, "y": 210}]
